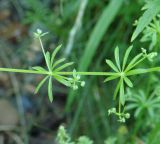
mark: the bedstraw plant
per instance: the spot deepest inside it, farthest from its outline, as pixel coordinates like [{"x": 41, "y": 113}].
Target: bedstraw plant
[{"x": 121, "y": 71}]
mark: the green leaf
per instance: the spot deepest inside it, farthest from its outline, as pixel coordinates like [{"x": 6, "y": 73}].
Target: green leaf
[
  {"x": 50, "y": 94},
  {"x": 116, "y": 55},
  {"x": 64, "y": 66},
  {"x": 121, "y": 94},
  {"x": 110, "y": 78},
  {"x": 62, "y": 80},
  {"x": 117, "y": 89},
  {"x": 48, "y": 60},
  {"x": 38, "y": 68},
  {"x": 136, "y": 71},
  {"x": 110, "y": 63},
  {"x": 133, "y": 61},
  {"x": 54, "y": 53},
  {"x": 126, "y": 56},
  {"x": 40, "y": 84},
  {"x": 58, "y": 62},
  {"x": 128, "y": 82},
  {"x": 149, "y": 14}
]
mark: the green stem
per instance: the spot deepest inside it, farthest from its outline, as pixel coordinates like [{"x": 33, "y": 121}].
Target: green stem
[
  {"x": 132, "y": 72},
  {"x": 56, "y": 73},
  {"x": 44, "y": 54}
]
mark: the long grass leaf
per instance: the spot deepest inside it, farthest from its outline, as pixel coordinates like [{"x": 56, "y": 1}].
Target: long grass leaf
[{"x": 106, "y": 18}]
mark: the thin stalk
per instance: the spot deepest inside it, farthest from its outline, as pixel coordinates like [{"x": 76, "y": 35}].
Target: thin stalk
[
  {"x": 55, "y": 73},
  {"x": 44, "y": 54},
  {"x": 132, "y": 72}
]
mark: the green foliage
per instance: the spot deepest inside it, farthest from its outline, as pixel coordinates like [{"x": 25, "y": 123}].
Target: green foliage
[
  {"x": 143, "y": 104},
  {"x": 152, "y": 33},
  {"x": 122, "y": 73},
  {"x": 152, "y": 8},
  {"x": 64, "y": 138}
]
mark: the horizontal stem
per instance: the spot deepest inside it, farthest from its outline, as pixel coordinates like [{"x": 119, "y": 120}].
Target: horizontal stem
[
  {"x": 132, "y": 72},
  {"x": 55, "y": 73}
]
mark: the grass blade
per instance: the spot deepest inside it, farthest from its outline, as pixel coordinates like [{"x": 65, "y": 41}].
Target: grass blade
[{"x": 106, "y": 18}]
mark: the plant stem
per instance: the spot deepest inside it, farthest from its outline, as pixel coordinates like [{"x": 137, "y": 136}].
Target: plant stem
[
  {"x": 132, "y": 72},
  {"x": 55, "y": 73}
]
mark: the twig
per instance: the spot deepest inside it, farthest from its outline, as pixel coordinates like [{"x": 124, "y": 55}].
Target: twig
[{"x": 75, "y": 27}]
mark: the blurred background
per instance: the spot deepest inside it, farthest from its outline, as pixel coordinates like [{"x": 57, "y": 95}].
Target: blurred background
[{"x": 88, "y": 30}]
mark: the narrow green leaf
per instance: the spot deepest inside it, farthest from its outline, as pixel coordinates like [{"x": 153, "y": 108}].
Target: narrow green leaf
[
  {"x": 149, "y": 14},
  {"x": 133, "y": 61},
  {"x": 58, "y": 62},
  {"x": 50, "y": 94},
  {"x": 110, "y": 63},
  {"x": 40, "y": 84},
  {"x": 117, "y": 90},
  {"x": 116, "y": 55},
  {"x": 38, "y": 68},
  {"x": 136, "y": 72},
  {"x": 62, "y": 80},
  {"x": 126, "y": 56},
  {"x": 121, "y": 94},
  {"x": 128, "y": 82},
  {"x": 131, "y": 106},
  {"x": 110, "y": 78},
  {"x": 48, "y": 60},
  {"x": 64, "y": 66},
  {"x": 54, "y": 53}
]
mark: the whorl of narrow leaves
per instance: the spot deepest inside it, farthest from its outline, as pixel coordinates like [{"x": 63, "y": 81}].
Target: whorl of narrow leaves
[
  {"x": 123, "y": 72},
  {"x": 55, "y": 66},
  {"x": 152, "y": 9}
]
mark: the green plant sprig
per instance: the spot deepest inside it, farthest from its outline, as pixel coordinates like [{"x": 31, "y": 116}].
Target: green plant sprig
[{"x": 55, "y": 70}]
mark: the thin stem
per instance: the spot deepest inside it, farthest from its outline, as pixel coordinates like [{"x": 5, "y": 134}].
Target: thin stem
[
  {"x": 44, "y": 54},
  {"x": 55, "y": 73},
  {"x": 132, "y": 72}
]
